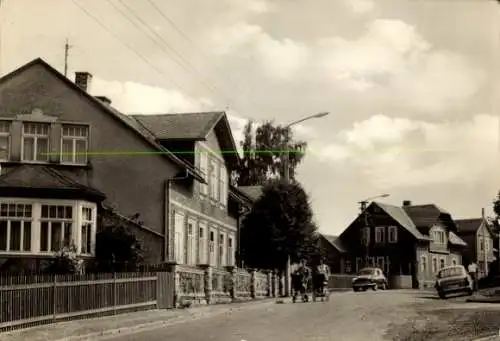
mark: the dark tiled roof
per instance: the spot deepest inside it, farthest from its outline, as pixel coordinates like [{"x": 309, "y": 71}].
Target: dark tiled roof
[
  {"x": 253, "y": 192},
  {"x": 424, "y": 215},
  {"x": 468, "y": 225},
  {"x": 41, "y": 177},
  {"x": 335, "y": 241},
  {"x": 189, "y": 126},
  {"x": 401, "y": 216},
  {"x": 456, "y": 240}
]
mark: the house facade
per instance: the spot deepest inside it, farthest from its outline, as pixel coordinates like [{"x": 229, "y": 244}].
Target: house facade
[
  {"x": 66, "y": 154},
  {"x": 410, "y": 243},
  {"x": 477, "y": 233}
]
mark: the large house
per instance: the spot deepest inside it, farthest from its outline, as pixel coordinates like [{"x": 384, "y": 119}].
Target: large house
[
  {"x": 66, "y": 154},
  {"x": 478, "y": 235},
  {"x": 410, "y": 243}
]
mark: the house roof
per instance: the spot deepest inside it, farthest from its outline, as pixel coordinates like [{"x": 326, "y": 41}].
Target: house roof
[
  {"x": 401, "y": 216},
  {"x": 335, "y": 242},
  {"x": 253, "y": 192},
  {"x": 424, "y": 215},
  {"x": 188, "y": 126},
  {"x": 124, "y": 119},
  {"x": 41, "y": 177},
  {"x": 468, "y": 225},
  {"x": 191, "y": 126},
  {"x": 456, "y": 240}
]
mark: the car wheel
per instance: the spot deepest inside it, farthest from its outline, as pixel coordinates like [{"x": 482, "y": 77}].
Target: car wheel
[
  {"x": 441, "y": 295},
  {"x": 355, "y": 289}
]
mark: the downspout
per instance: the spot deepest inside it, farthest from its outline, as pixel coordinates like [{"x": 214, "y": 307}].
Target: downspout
[{"x": 166, "y": 213}]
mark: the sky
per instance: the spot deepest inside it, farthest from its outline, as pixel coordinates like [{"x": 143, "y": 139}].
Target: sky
[{"x": 412, "y": 87}]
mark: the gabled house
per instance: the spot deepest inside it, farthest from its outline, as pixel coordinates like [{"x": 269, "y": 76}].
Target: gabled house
[
  {"x": 477, "y": 233},
  {"x": 410, "y": 243},
  {"x": 332, "y": 250},
  {"x": 66, "y": 155}
]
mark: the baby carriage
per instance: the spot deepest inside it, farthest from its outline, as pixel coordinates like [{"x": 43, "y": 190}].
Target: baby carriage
[
  {"x": 320, "y": 284},
  {"x": 300, "y": 285}
]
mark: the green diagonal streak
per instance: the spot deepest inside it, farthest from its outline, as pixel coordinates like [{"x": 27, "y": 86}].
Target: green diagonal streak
[{"x": 133, "y": 153}]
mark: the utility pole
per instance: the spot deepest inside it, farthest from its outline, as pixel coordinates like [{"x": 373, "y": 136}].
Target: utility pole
[
  {"x": 366, "y": 226},
  {"x": 67, "y": 46}
]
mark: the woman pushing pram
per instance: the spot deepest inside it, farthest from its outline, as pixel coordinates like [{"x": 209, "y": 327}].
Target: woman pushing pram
[
  {"x": 320, "y": 281},
  {"x": 301, "y": 278}
]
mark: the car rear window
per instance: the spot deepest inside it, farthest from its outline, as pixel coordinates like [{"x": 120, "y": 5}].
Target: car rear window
[{"x": 451, "y": 272}]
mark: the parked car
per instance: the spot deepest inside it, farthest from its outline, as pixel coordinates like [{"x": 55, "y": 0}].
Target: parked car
[
  {"x": 453, "y": 279},
  {"x": 373, "y": 278}
]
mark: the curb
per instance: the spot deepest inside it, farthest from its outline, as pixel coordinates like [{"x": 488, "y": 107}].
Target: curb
[
  {"x": 483, "y": 300},
  {"x": 156, "y": 325},
  {"x": 493, "y": 337}
]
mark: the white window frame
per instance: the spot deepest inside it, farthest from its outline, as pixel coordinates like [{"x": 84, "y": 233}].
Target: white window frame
[
  {"x": 202, "y": 242},
  {"x": 442, "y": 259},
  {"x": 454, "y": 261},
  {"x": 36, "y": 137},
  {"x": 387, "y": 264},
  {"x": 221, "y": 250},
  {"x": 63, "y": 223},
  {"x": 394, "y": 230},
  {"x": 214, "y": 178},
  {"x": 179, "y": 239},
  {"x": 379, "y": 234},
  {"x": 438, "y": 235},
  {"x": 348, "y": 266},
  {"x": 204, "y": 170},
  {"x": 223, "y": 181},
  {"x": 74, "y": 138},
  {"x": 382, "y": 267},
  {"x": 435, "y": 265},
  {"x": 212, "y": 254},
  {"x": 423, "y": 264},
  {"x": 5, "y": 133},
  {"x": 86, "y": 246},
  {"x": 230, "y": 249},
  {"x": 22, "y": 220},
  {"x": 191, "y": 241}
]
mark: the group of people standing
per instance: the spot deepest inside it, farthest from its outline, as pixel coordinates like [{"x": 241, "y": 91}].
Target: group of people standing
[{"x": 304, "y": 277}]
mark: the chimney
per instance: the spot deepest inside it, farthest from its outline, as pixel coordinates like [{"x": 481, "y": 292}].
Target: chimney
[
  {"x": 482, "y": 212},
  {"x": 406, "y": 202},
  {"x": 104, "y": 99},
  {"x": 83, "y": 80}
]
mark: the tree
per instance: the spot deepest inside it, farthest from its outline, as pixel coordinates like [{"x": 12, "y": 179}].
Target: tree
[
  {"x": 496, "y": 205},
  {"x": 117, "y": 249},
  {"x": 263, "y": 153},
  {"x": 279, "y": 224}
]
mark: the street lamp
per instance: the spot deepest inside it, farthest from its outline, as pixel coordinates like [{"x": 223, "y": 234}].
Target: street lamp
[
  {"x": 286, "y": 176},
  {"x": 363, "y": 204}
]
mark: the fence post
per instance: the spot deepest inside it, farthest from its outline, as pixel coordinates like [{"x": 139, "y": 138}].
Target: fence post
[
  {"x": 273, "y": 283},
  {"x": 269, "y": 283},
  {"x": 232, "y": 281},
  {"x": 207, "y": 279},
  {"x": 253, "y": 284},
  {"x": 54, "y": 298},
  {"x": 115, "y": 295}
]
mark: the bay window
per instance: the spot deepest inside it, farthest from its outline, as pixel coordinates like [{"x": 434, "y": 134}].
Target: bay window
[
  {"x": 74, "y": 144},
  {"x": 35, "y": 142},
  {"x": 43, "y": 226},
  {"x": 191, "y": 242},
  {"x": 4, "y": 140}
]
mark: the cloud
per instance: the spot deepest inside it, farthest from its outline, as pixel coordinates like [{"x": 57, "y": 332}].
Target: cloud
[
  {"x": 279, "y": 58},
  {"x": 398, "y": 152},
  {"x": 135, "y": 97},
  {"x": 360, "y": 6},
  {"x": 395, "y": 62}
]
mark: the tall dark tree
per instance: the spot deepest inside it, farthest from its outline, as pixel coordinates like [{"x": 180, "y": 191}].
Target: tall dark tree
[
  {"x": 279, "y": 224},
  {"x": 496, "y": 205},
  {"x": 264, "y": 152}
]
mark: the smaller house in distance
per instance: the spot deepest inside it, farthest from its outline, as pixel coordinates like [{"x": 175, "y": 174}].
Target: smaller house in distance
[
  {"x": 477, "y": 233},
  {"x": 331, "y": 250},
  {"x": 410, "y": 243}
]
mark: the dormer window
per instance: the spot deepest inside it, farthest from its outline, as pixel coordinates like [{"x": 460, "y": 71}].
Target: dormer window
[
  {"x": 4, "y": 140},
  {"x": 35, "y": 142},
  {"x": 438, "y": 235},
  {"x": 74, "y": 144}
]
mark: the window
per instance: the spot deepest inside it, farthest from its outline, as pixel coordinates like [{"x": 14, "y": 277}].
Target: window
[
  {"x": 15, "y": 227},
  {"x": 348, "y": 268},
  {"x": 380, "y": 262},
  {"x": 179, "y": 251},
  {"x": 4, "y": 140},
  {"x": 35, "y": 142},
  {"x": 56, "y": 227},
  {"x": 366, "y": 236},
  {"x": 434, "y": 265},
  {"x": 86, "y": 238},
  {"x": 442, "y": 263},
  {"x": 379, "y": 234},
  {"x": 202, "y": 240},
  {"x": 230, "y": 251},
  {"x": 393, "y": 234},
  {"x": 211, "y": 248},
  {"x": 74, "y": 144},
  {"x": 358, "y": 264},
  {"x": 438, "y": 235},
  {"x": 223, "y": 185},
  {"x": 214, "y": 182},
  {"x": 423, "y": 264},
  {"x": 487, "y": 244},
  {"x": 454, "y": 261},
  {"x": 204, "y": 171},
  {"x": 191, "y": 246},
  {"x": 222, "y": 249}
]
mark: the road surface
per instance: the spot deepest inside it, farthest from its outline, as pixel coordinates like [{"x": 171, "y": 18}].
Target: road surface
[{"x": 347, "y": 316}]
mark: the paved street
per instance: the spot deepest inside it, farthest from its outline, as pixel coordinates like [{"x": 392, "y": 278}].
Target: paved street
[{"x": 348, "y": 316}]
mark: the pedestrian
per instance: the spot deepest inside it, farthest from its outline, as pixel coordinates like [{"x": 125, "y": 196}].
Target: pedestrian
[{"x": 472, "y": 268}]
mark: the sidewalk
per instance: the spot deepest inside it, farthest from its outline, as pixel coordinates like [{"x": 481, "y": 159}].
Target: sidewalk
[{"x": 91, "y": 329}]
